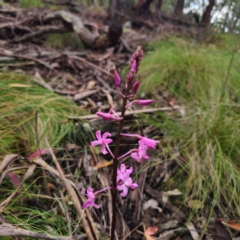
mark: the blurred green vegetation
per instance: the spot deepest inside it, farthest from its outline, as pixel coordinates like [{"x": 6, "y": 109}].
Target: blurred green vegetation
[
  {"x": 205, "y": 79},
  {"x": 64, "y": 40},
  {"x": 20, "y": 99}
]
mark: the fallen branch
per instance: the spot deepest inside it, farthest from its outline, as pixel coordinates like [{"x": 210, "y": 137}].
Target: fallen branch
[
  {"x": 43, "y": 31},
  {"x": 150, "y": 110},
  {"x": 73, "y": 23},
  {"x": 10, "y": 230},
  {"x": 28, "y": 58}
]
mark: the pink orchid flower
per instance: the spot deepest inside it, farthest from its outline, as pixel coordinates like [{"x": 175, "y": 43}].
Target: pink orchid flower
[
  {"x": 102, "y": 140},
  {"x": 141, "y": 153},
  {"x": 124, "y": 180},
  {"x": 91, "y": 197},
  {"x": 122, "y": 172},
  {"x": 150, "y": 143}
]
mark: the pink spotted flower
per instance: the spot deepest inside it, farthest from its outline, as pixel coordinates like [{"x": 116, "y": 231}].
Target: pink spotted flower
[
  {"x": 141, "y": 152},
  {"x": 91, "y": 197},
  {"x": 124, "y": 181}
]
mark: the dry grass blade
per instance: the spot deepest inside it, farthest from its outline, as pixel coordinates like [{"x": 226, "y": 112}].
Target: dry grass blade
[
  {"x": 7, "y": 160},
  {"x": 91, "y": 234},
  {"x": 26, "y": 175},
  {"x": 10, "y": 230}
]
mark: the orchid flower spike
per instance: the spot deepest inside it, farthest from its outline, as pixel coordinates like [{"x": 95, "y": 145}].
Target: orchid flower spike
[
  {"x": 104, "y": 141},
  {"x": 91, "y": 197},
  {"x": 124, "y": 181},
  {"x": 137, "y": 58}
]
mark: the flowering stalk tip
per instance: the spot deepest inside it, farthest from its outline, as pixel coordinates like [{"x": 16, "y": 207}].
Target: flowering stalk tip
[{"x": 117, "y": 79}]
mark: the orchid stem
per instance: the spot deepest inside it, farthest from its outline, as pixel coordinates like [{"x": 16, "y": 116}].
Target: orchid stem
[{"x": 115, "y": 164}]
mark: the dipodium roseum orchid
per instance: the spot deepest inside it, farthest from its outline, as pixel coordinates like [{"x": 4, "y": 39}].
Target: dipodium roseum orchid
[
  {"x": 104, "y": 141},
  {"x": 91, "y": 197},
  {"x": 141, "y": 153},
  {"x": 124, "y": 181},
  {"x": 121, "y": 180}
]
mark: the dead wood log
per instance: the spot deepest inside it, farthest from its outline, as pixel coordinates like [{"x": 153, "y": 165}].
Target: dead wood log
[{"x": 73, "y": 23}]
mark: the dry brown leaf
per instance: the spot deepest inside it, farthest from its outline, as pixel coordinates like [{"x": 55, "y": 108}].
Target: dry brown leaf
[
  {"x": 147, "y": 236},
  {"x": 91, "y": 84},
  {"x": 174, "y": 192},
  {"x": 151, "y": 230},
  {"x": 7, "y": 160},
  {"x": 195, "y": 204},
  {"x": 232, "y": 225},
  {"x": 192, "y": 231},
  {"x": 84, "y": 94},
  {"x": 103, "y": 163},
  {"x": 151, "y": 203}
]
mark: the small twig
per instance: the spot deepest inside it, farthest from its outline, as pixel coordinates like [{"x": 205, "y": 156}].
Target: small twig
[
  {"x": 38, "y": 79},
  {"x": 91, "y": 235},
  {"x": 46, "y": 30},
  {"x": 28, "y": 58},
  {"x": 92, "y": 65},
  {"x": 10, "y": 230},
  {"x": 149, "y": 110}
]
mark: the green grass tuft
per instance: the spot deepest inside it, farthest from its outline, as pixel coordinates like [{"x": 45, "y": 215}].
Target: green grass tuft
[
  {"x": 64, "y": 40},
  {"x": 208, "y": 135},
  {"x": 18, "y": 106},
  {"x": 32, "y": 4}
]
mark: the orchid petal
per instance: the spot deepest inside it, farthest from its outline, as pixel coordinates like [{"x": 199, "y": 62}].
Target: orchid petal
[
  {"x": 105, "y": 135},
  {"x": 98, "y": 135},
  {"x": 95, "y": 143}
]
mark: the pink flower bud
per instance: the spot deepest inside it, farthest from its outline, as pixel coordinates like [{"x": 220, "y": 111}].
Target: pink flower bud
[
  {"x": 130, "y": 77},
  {"x": 133, "y": 67},
  {"x": 117, "y": 79},
  {"x": 137, "y": 58},
  {"x": 135, "y": 87},
  {"x": 145, "y": 102},
  {"x": 105, "y": 116}
]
